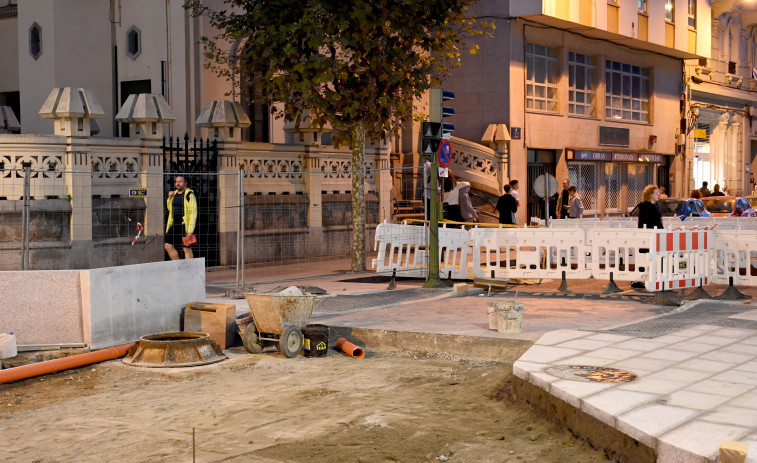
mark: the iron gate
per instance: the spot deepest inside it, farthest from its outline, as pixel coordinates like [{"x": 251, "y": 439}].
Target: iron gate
[
  {"x": 535, "y": 205},
  {"x": 200, "y": 164}
]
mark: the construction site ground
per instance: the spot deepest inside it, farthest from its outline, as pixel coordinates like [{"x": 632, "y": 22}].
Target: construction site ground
[{"x": 424, "y": 391}]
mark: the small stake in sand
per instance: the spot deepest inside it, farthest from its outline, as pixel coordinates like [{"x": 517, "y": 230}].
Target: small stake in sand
[{"x": 193, "y": 445}]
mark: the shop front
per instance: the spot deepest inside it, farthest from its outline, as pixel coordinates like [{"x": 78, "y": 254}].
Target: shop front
[{"x": 611, "y": 183}]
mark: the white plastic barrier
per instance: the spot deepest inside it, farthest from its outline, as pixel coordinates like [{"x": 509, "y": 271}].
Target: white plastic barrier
[
  {"x": 679, "y": 259},
  {"x": 529, "y": 253},
  {"x": 734, "y": 255},
  {"x": 404, "y": 248},
  {"x": 622, "y": 253}
]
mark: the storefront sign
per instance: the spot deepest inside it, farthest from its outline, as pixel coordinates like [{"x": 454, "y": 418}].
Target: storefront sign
[
  {"x": 656, "y": 158},
  {"x": 625, "y": 157},
  {"x": 592, "y": 156}
]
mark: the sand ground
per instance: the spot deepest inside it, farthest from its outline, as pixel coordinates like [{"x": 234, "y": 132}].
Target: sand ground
[{"x": 399, "y": 406}]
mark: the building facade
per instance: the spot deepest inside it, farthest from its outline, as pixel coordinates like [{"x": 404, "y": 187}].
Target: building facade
[
  {"x": 722, "y": 100},
  {"x": 115, "y": 48},
  {"x": 590, "y": 90}
]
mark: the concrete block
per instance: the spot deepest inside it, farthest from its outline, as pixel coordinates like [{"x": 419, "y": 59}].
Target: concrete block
[
  {"x": 733, "y": 452},
  {"x": 42, "y": 306},
  {"x": 460, "y": 288},
  {"x": 131, "y": 301},
  {"x": 215, "y": 319}
]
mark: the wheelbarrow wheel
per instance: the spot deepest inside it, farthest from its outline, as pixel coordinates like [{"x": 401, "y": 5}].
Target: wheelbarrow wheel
[
  {"x": 291, "y": 341},
  {"x": 251, "y": 341}
]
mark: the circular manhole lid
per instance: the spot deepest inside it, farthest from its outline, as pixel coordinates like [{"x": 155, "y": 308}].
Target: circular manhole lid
[
  {"x": 166, "y": 350},
  {"x": 591, "y": 373}
]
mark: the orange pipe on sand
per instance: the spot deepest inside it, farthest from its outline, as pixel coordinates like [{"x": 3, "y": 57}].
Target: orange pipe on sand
[
  {"x": 66, "y": 363},
  {"x": 350, "y": 349}
]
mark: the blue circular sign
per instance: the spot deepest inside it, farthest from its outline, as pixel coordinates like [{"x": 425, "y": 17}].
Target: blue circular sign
[{"x": 445, "y": 153}]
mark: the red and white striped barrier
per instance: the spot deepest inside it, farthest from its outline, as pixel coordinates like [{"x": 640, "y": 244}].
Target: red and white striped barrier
[{"x": 679, "y": 259}]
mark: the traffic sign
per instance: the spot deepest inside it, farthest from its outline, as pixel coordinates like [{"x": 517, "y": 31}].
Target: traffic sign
[{"x": 445, "y": 153}]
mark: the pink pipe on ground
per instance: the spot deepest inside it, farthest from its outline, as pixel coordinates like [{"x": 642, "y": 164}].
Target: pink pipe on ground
[
  {"x": 350, "y": 349},
  {"x": 52, "y": 366}
]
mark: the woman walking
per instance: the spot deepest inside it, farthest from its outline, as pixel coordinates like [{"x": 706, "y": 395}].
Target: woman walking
[{"x": 649, "y": 215}]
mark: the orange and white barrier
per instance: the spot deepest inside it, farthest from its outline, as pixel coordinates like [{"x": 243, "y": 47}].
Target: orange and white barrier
[
  {"x": 679, "y": 259},
  {"x": 529, "y": 253}
]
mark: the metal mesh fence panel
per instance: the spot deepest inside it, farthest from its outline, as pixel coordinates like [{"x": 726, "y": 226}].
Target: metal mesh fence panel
[
  {"x": 585, "y": 177},
  {"x": 613, "y": 180},
  {"x": 294, "y": 221},
  {"x": 639, "y": 176}
]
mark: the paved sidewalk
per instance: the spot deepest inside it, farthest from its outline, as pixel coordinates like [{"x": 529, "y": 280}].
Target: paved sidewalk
[{"x": 696, "y": 386}]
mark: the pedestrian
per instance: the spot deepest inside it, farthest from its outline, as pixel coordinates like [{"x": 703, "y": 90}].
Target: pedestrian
[
  {"x": 564, "y": 202},
  {"x": 452, "y": 198},
  {"x": 576, "y": 207},
  {"x": 182, "y": 205},
  {"x": 553, "y": 205},
  {"x": 507, "y": 207},
  {"x": 662, "y": 193},
  {"x": 716, "y": 190},
  {"x": 704, "y": 190},
  {"x": 695, "y": 194},
  {"x": 467, "y": 211},
  {"x": 649, "y": 215},
  {"x": 514, "y": 185}
]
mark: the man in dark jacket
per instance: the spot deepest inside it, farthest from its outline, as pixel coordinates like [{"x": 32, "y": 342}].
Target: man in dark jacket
[
  {"x": 564, "y": 201},
  {"x": 507, "y": 205},
  {"x": 649, "y": 215}
]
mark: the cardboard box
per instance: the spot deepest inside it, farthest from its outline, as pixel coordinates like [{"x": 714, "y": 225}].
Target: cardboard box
[{"x": 215, "y": 319}]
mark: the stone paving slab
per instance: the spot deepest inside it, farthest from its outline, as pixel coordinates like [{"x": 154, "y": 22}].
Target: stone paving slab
[{"x": 687, "y": 398}]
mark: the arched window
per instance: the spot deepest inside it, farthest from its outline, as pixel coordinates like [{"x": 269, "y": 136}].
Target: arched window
[
  {"x": 133, "y": 42},
  {"x": 35, "y": 41}
]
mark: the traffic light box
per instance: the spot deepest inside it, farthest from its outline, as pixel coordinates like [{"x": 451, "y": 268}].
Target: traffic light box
[{"x": 435, "y": 129}]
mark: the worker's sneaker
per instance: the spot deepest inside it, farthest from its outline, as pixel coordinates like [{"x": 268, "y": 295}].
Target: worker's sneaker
[{"x": 638, "y": 285}]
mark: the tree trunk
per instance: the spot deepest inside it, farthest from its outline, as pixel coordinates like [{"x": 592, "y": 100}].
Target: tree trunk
[{"x": 357, "y": 145}]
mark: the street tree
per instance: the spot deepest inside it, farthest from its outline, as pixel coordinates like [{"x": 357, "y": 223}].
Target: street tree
[{"x": 356, "y": 66}]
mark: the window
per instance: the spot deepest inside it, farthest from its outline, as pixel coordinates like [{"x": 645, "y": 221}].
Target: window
[
  {"x": 35, "y": 41},
  {"x": 670, "y": 9},
  {"x": 642, "y": 6},
  {"x": 627, "y": 92},
  {"x": 133, "y": 42},
  {"x": 582, "y": 85},
  {"x": 541, "y": 77},
  {"x": 692, "y": 13}
]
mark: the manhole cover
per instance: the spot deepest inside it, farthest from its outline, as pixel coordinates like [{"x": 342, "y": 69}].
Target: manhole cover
[
  {"x": 589, "y": 373},
  {"x": 183, "y": 349}
]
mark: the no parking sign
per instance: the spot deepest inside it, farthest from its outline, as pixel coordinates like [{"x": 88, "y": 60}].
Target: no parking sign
[{"x": 445, "y": 153}]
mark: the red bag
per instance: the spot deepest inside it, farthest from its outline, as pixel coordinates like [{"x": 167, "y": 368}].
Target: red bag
[{"x": 189, "y": 240}]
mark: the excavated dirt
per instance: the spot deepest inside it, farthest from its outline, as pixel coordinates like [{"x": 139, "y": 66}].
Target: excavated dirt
[{"x": 391, "y": 407}]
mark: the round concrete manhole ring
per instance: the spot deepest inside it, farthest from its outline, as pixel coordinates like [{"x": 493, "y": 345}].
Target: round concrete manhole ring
[
  {"x": 171, "y": 350},
  {"x": 591, "y": 373}
]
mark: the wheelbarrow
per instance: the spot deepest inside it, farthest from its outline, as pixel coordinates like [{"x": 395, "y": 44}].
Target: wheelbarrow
[{"x": 277, "y": 318}]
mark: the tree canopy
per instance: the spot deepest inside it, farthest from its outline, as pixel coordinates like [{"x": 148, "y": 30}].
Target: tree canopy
[
  {"x": 356, "y": 66},
  {"x": 344, "y": 62}
]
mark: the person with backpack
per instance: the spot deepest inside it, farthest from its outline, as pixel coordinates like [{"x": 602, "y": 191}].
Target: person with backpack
[{"x": 182, "y": 219}]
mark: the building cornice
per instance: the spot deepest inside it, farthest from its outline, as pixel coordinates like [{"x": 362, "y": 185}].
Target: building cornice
[{"x": 7, "y": 12}]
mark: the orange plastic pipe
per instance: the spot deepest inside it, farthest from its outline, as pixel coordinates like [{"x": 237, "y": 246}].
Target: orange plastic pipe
[
  {"x": 350, "y": 349},
  {"x": 52, "y": 366}
]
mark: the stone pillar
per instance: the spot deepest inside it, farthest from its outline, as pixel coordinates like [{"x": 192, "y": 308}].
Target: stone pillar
[
  {"x": 146, "y": 113},
  {"x": 313, "y": 182},
  {"x": 152, "y": 179},
  {"x": 383, "y": 179},
  {"x": 228, "y": 200},
  {"x": 224, "y": 121},
  {"x": 734, "y": 159},
  {"x": 72, "y": 111},
  {"x": 79, "y": 185}
]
